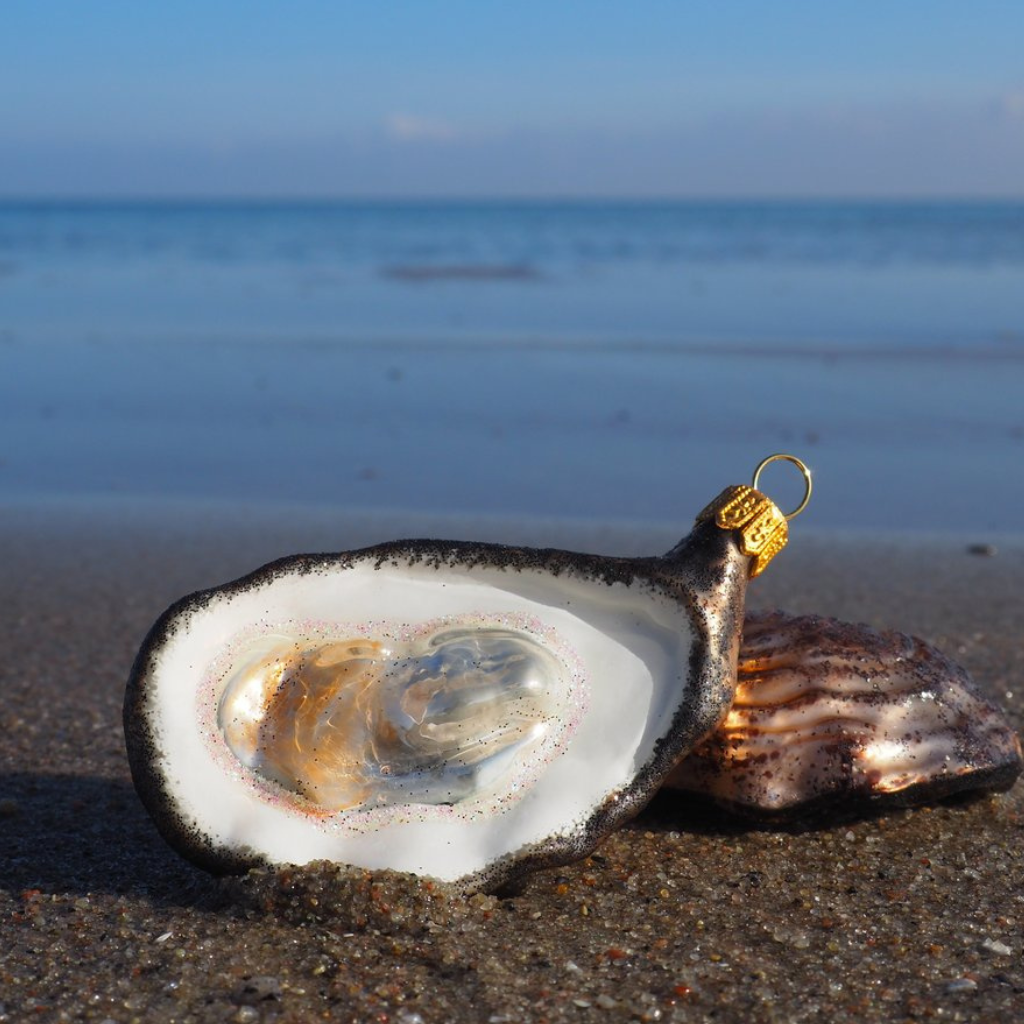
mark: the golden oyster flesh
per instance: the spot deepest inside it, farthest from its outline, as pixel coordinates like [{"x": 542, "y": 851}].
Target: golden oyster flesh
[{"x": 458, "y": 710}]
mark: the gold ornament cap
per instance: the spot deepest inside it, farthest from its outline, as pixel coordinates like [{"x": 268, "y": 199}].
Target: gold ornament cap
[{"x": 762, "y": 527}]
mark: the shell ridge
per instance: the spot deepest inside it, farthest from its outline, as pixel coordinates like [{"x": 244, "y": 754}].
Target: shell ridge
[{"x": 914, "y": 726}]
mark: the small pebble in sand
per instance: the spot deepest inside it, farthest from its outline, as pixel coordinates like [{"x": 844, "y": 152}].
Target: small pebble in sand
[
  {"x": 259, "y": 989},
  {"x": 997, "y": 947},
  {"x": 961, "y": 985}
]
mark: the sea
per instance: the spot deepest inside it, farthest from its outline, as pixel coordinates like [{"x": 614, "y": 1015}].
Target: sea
[{"x": 610, "y": 362}]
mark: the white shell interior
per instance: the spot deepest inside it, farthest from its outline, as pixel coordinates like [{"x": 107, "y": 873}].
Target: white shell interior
[{"x": 634, "y": 645}]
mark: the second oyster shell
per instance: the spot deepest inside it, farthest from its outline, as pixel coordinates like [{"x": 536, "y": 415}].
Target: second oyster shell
[{"x": 829, "y": 712}]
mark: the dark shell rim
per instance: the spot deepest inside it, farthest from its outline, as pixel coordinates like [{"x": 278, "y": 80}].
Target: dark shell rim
[
  {"x": 850, "y": 803},
  {"x": 691, "y": 720}
]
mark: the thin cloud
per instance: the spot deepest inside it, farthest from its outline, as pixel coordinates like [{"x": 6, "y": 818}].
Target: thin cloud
[{"x": 409, "y": 128}]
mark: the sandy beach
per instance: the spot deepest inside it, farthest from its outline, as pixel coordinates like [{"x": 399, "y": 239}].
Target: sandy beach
[{"x": 685, "y": 914}]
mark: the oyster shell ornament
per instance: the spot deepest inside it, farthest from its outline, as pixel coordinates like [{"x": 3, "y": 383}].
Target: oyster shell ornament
[
  {"x": 459, "y": 710},
  {"x": 830, "y": 714}
]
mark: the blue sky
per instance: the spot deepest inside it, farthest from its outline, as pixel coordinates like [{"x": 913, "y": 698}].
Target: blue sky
[{"x": 443, "y": 97}]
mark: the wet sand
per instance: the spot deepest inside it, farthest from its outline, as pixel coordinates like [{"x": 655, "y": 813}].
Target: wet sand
[{"x": 685, "y": 914}]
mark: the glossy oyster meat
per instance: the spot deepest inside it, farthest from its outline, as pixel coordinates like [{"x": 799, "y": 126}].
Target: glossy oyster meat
[
  {"x": 458, "y": 710},
  {"x": 365, "y": 718},
  {"x": 833, "y": 714}
]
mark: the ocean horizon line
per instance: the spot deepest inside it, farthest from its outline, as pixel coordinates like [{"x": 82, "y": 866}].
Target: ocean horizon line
[
  {"x": 461, "y": 199},
  {"x": 1008, "y": 348}
]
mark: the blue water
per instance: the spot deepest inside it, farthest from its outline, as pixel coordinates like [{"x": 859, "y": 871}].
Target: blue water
[{"x": 609, "y": 361}]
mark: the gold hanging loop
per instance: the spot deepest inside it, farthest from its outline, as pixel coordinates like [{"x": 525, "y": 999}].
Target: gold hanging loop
[
  {"x": 804, "y": 472},
  {"x": 763, "y": 529}
]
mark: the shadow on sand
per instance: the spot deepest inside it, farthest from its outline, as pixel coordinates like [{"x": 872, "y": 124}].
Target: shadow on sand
[{"x": 76, "y": 835}]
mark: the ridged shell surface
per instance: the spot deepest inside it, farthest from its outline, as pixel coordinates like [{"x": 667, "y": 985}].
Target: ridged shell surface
[{"x": 828, "y": 712}]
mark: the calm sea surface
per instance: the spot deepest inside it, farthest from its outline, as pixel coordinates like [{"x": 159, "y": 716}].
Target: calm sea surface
[{"x": 595, "y": 360}]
